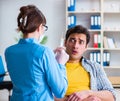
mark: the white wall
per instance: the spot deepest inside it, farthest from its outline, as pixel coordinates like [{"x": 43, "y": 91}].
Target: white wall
[{"x": 54, "y": 10}]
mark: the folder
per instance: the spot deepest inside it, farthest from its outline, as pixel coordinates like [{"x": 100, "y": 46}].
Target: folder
[
  {"x": 95, "y": 22},
  {"x": 98, "y": 57},
  {"x": 92, "y": 22},
  {"x": 104, "y": 59},
  {"x": 95, "y": 56},
  {"x": 71, "y": 21},
  {"x": 95, "y": 41},
  {"x": 99, "y": 40},
  {"x": 71, "y": 5},
  {"x": 107, "y": 58},
  {"x": 68, "y": 21},
  {"x": 91, "y": 56},
  {"x": 99, "y": 22}
]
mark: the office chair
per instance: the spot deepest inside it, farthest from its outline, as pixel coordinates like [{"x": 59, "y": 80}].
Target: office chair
[{"x": 4, "y": 84}]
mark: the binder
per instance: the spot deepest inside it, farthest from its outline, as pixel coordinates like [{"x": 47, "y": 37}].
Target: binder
[
  {"x": 92, "y": 22},
  {"x": 95, "y": 41},
  {"x": 91, "y": 56},
  {"x": 99, "y": 22},
  {"x": 104, "y": 59},
  {"x": 98, "y": 57},
  {"x": 99, "y": 40},
  {"x": 95, "y": 56},
  {"x": 71, "y": 21},
  {"x": 95, "y": 22},
  {"x": 71, "y": 5},
  {"x": 68, "y": 21},
  {"x": 107, "y": 58}
]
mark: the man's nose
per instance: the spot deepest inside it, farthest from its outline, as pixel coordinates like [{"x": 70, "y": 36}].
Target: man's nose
[{"x": 76, "y": 44}]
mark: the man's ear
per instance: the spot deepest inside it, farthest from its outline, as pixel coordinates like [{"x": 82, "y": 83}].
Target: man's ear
[{"x": 87, "y": 46}]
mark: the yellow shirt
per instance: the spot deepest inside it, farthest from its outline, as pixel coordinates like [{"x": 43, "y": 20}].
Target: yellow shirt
[{"x": 78, "y": 78}]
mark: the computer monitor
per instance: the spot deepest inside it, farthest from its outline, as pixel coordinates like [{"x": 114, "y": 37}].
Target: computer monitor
[{"x": 2, "y": 70}]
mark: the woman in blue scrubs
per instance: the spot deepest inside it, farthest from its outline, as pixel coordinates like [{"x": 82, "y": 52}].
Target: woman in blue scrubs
[{"x": 34, "y": 71}]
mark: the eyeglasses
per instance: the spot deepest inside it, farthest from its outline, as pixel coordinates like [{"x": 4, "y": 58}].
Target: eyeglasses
[{"x": 46, "y": 27}]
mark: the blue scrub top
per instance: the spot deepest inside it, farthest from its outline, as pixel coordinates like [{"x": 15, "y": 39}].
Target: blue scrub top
[{"x": 34, "y": 71}]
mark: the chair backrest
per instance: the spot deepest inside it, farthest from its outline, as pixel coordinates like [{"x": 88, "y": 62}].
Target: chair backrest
[{"x": 2, "y": 69}]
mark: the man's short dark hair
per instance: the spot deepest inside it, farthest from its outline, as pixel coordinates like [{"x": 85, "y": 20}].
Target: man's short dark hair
[{"x": 79, "y": 29}]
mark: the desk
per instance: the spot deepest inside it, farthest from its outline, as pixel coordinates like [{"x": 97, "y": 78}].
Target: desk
[
  {"x": 116, "y": 86},
  {"x": 6, "y": 85}
]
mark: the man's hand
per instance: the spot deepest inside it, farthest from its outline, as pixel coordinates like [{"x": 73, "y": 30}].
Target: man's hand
[
  {"x": 92, "y": 98},
  {"x": 79, "y": 96}
]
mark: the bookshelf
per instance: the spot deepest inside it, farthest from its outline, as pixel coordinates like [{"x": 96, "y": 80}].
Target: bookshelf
[{"x": 109, "y": 13}]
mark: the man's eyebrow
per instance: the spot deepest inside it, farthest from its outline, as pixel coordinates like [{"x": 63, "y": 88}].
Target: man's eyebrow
[
  {"x": 81, "y": 40},
  {"x": 72, "y": 38},
  {"x": 78, "y": 39}
]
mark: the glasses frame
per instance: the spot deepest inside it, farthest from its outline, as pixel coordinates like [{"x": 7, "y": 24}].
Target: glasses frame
[{"x": 46, "y": 27}]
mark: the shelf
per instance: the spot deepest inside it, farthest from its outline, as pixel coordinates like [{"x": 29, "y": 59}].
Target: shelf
[
  {"x": 94, "y": 30},
  {"x": 113, "y": 49},
  {"x": 111, "y": 30},
  {"x": 111, "y": 67},
  {"x": 79, "y": 12},
  {"x": 116, "y": 85},
  {"x": 109, "y": 13},
  {"x": 93, "y": 48}
]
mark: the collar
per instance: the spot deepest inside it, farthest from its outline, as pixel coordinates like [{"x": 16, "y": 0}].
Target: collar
[{"x": 28, "y": 40}]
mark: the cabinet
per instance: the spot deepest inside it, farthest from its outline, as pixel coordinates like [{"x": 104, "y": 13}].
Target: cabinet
[{"x": 109, "y": 13}]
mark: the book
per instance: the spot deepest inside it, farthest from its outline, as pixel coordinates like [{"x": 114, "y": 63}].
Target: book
[
  {"x": 105, "y": 42},
  {"x": 110, "y": 43},
  {"x": 117, "y": 44}
]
